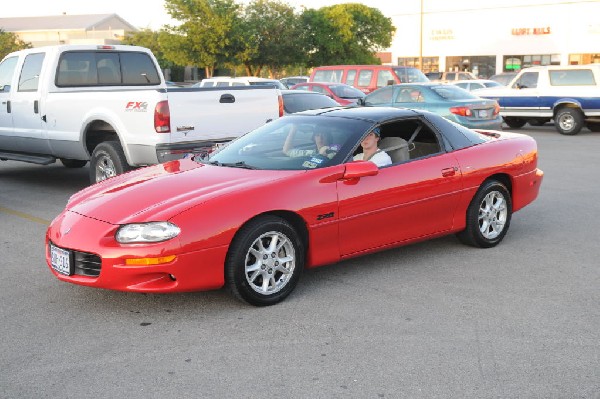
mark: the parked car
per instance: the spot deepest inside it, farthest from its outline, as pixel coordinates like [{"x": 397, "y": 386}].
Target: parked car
[
  {"x": 224, "y": 81},
  {"x": 475, "y": 84},
  {"x": 449, "y": 77},
  {"x": 288, "y": 82},
  {"x": 342, "y": 93},
  {"x": 367, "y": 78},
  {"x": 567, "y": 94},
  {"x": 504, "y": 78},
  {"x": 179, "y": 226},
  {"x": 449, "y": 101},
  {"x": 299, "y": 100}
]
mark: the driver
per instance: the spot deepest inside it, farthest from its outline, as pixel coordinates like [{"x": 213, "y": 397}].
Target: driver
[{"x": 322, "y": 140}]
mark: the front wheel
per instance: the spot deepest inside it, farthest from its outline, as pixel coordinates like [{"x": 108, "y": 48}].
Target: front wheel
[
  {"x": 107, "y": 160},
  {"x": 569, "y": 121},
  {"x": 488, "y": 216},
  {"x": 265, "y": 261}
]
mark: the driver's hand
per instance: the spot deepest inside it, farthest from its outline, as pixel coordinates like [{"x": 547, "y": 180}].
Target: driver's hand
[{"x": 323, "y": 150}]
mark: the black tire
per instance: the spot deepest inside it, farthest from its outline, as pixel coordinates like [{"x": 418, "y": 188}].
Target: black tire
[
  {"x": 488, "y": 216},
  {"x": 108, "y": 160},
  {"x": 250, "y": 285},
  {"x": 514, "y": 123},
  {"x": 73, "y": 163},
  {"x": 569, "y": 121}
]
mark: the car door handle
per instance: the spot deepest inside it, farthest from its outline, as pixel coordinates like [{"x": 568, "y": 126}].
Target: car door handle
[
  {"x": 447, "y": 172},
  {"x": 36, "y": 107},
  {"x": 227, "y": 98}
]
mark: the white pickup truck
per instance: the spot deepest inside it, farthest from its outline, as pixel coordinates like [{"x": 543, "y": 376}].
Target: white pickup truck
[{"x": 109, "y": 105}]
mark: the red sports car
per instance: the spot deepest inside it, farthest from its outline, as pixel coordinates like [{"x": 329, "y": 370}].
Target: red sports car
[{"x": 288, "y": 196}]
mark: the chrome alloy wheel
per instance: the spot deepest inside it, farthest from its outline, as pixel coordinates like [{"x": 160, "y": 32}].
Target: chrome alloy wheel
[
  {"x": 270, "y": 263},
  {"x": 566, "y": 122},
  {"x": 105, "y": 168},
  {"x": 492, "y": 215}
]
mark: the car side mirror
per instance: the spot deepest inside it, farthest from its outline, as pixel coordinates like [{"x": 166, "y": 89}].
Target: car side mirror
[
  {"x": 361, "y": 101},
  {"x": 357, "y": 169},
  {"x": 390, "y": 82}
]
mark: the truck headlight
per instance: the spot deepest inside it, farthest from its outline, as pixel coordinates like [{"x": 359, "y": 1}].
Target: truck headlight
[{"x": 146, "y": 232}]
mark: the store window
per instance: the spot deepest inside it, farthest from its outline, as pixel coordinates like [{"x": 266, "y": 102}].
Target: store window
[
  {"x": 482, "y": 66},
  {"x": 582, "y": 59},
  {"x": 430, "y": 64},
  {"x": 517, "y": 62}
]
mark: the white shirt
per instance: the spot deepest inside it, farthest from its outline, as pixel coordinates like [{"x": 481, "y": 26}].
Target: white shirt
[{"x": 380, "y": 158}]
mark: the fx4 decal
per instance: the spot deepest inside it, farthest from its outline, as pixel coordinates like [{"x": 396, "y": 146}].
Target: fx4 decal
[{"x": 136, "y": 106}]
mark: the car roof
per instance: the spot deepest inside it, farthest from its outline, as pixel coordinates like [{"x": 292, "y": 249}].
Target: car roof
[{"x": 373, "y": 114}]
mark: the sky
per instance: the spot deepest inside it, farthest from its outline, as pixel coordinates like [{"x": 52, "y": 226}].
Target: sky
[{"x": 148, "y": 13}]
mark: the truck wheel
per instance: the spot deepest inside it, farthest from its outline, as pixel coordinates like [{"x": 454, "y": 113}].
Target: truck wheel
[
  {"x": 568, "y": 121},
  {"x": 108, "y": 160},
  {"x": 73, "y": 163},
  {"x": 514, "y": 123}
]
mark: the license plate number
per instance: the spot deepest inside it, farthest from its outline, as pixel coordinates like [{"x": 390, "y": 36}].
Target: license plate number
[
  {"x": 483, "y": 113},
  {"x": 60, "y": 260}
]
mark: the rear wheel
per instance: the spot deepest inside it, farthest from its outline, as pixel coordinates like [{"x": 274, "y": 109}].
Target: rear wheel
[
  {"x": 265, "y": 261},
  {"x": 108, "y": 160},
  {"x": 73, "y": 163},
  {"x": 514, "y": 123},
  {"x": 568, "y": 121},
  {"x": 488, "y": 216}
]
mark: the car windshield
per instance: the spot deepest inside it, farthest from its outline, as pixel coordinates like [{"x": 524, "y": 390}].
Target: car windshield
[
  {"x": 294, "y": 143},
  {"x": 346, "y": 91},
  {"x": 410, "y": 75},
  {"x": 451, "y": 92}
]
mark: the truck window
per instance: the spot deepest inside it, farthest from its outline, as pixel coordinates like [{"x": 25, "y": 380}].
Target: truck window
[
  {"x": 30, "y": 73},
  {"x": 77, "y": 69},
  {"x": 578, "y": 77},
  {"x": 107, "y": 65},
  {"x": 7, "y": 70},
  {"x": 383, "y": 77},
  {"x": 138, "y": 69},
  {"x": 528, "y": 80},
  {"x": 350, "y": 76},
  {"x": 364, "y": 77},
  {"x": 328, "y": 75}
]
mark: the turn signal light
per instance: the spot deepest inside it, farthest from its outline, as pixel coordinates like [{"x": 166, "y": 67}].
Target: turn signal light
[
  {"x": 496, "y": 109},
  {"x": 150, "y": 261},
  {"x": 462, "y": 111}
]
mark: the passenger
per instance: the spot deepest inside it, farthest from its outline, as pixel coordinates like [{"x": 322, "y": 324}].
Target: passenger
[
  {"x": 371, "y": 151},
  {"x": 323, "y": 146}
]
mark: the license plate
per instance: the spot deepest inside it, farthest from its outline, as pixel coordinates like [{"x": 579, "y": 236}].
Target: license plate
[
  {"x": 60, "y": 260},
  {"x": 483, "y": 113}
]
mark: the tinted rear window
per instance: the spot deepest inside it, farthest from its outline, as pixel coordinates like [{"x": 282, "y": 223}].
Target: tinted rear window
[
  {"x": 578, "y": 77},
  {"x": 297, "y": 102},
  {"x": 106, "y": 68}
]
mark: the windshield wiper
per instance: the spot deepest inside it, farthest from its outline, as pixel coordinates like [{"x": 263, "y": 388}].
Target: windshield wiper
[{"x": 240, "y": 164}]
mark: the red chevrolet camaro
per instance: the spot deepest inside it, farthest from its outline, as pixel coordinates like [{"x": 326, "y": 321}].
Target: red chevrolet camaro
[{"x": 287, "y": 196}]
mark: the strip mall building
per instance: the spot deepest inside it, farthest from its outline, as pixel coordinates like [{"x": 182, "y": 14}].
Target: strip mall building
[{"x": 488, "y": 36}]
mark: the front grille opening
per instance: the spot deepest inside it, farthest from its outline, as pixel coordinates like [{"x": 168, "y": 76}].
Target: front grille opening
[{"x": 86, "y": 264}]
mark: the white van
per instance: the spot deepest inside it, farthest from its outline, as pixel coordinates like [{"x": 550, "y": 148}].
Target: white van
[{"x": 224, "y": 81}]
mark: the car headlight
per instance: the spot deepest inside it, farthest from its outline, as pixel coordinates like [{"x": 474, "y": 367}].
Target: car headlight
[{"x": 147, "y": 232}]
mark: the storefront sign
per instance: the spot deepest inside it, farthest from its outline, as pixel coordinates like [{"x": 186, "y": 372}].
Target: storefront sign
[
  {"x": 531, "y": 31},
  {"x": 441, "y": 34}
]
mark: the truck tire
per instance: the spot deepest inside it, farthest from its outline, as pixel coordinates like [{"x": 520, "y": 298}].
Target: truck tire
[
  {"x": 73, "y": 163},
  {"x": 568, "y": 121},
  {"x": 514, "y": 123},
  {"x": 108, "y": 160}
]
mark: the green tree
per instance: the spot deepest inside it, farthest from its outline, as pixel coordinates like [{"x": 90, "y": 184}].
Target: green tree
[
  {"x": 204, "y": 36},
  {"x": 348, "y": 33},
  {"x": 10, "y": 42},
  {"x": 270, "y": 32}
]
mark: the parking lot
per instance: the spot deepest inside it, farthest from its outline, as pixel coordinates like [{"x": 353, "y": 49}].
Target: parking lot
[{"x": 432, "y": 320}]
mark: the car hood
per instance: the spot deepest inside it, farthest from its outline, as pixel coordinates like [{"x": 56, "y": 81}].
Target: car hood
[{"x": 162, "y": 191}]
